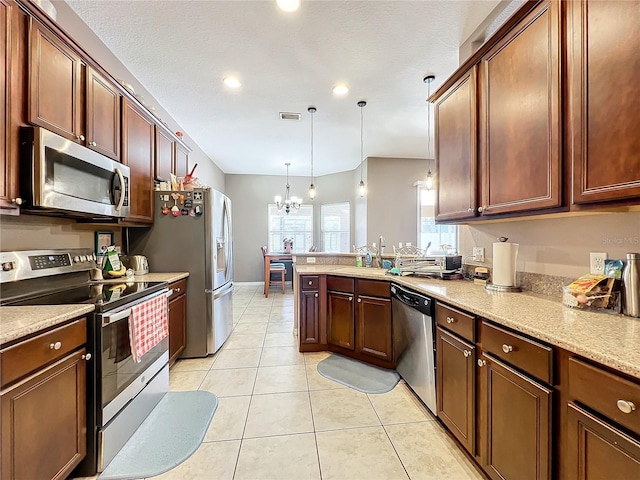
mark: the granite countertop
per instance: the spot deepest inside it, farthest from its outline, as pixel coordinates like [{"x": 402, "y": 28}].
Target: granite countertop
[
  {"x": 608, "y": 339},
  {"x": 17, "y": 322}
]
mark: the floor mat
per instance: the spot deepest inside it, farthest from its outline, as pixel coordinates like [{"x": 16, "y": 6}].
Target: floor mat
[
  {"x": 358, "y": 375},
  {"x": 172, "y": 432}
]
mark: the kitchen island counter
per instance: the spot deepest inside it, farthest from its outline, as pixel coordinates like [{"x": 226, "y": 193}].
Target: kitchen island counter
[{"x": 611, "y": 340}]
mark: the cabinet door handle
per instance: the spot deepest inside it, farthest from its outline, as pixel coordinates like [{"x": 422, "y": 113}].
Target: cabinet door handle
[
  {"x": 80, "y": 137},
  {"x": 351, "y": 299},
  {"x": 17, "y": 200},
  {"x": 359, "y": 300},
  {"x": 55, "y": 346},
  {"x": 310, "y": 282},
  {"x": 450, "y": 319},
  {"x": 467, "y": 353},
  {"x": 316, "y": 295},
  {"x": 178, "y": 290},
  {"x": 484, "y": 208},
  {"x": 470, "y": 210},
  {"x": 93, "y": 144},
  {"x": 481, "y": 363},
  {"x": 625, "y": 406},
  {"x": 86, "y": 357},
  {"x": 507, "y": 348}
]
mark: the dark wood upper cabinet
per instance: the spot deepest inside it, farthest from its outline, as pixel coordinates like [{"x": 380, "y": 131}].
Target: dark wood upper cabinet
[
  {"x": 55, "y": 84},
  {"x": 182, "y": 160},
  {"x": 604, "y": 100},
  {"x": 137, "y": 152},
  {"x": 165, "y": 154},
  {"x": 103, "y": 115},
  {"x": 373, "y": 327},
  {"x": 516, "y": 423},
  {"x": 520, "y": 125},
  {"x": 456, "y": 146},
  {"x": 341, "y": 328}
]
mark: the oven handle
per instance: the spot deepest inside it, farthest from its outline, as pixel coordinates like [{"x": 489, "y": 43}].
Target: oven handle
[
  {"x": 123, "y": 190},
  {"x": 107, "y": 319},
  {"x": 114, "y": 317}
]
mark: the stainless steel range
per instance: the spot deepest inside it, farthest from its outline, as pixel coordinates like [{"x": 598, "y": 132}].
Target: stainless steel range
[{"x": 120, "y": 392}]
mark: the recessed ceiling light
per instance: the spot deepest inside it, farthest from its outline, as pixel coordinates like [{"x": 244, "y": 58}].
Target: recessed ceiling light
[
  {"x": 232, "y": 82},
  {"x": 341, "y": 89},
  {"x": 288, "y": 5}
]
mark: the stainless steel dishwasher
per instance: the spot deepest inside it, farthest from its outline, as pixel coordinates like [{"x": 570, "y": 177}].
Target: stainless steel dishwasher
[{"x": 413, "y": 340}]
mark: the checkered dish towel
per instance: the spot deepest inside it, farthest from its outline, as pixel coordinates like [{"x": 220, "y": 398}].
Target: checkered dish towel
[{"x": 148, "y": 326}]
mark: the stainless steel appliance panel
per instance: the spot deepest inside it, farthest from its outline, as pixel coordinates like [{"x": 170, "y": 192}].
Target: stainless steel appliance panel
[
  {"x": 223, "y": 269},
  {"x": 222, "y": 316},
  {"x": 62, "y": 176},
  {"x": 188, "y": 243},
  {"x": 413, "y": 331}
]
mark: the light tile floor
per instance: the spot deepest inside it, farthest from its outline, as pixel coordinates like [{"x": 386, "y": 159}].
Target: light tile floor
[{"x": 278, "y": 418}]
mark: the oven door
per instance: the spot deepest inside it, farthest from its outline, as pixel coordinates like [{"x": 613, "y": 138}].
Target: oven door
[
  {"x": 122, "y": 378},
  {"x": 69, "y": 177}
]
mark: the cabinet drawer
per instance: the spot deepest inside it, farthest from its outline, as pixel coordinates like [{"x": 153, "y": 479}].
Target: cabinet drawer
[
  {"x": 179, "y": 288},
  {"x": 374, "y": 288},
  {"x": 456, "y": 321},
  {"x": 24, "y": 357},
  {"x": 309, "y": 282},
  {"x": 340, "y": 284},
  {"x": 601, "y": 391},
  {"x": 528, "y": 355}
]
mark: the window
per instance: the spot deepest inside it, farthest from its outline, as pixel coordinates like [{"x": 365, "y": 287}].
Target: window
[
  {"x": 335, "y": 224},
  {"x": 428, "y": 231},
  {"x": 298, "y": 225}
]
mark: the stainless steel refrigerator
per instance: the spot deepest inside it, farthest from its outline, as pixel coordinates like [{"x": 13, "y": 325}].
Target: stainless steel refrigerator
[{"x": 192, "y": 233}]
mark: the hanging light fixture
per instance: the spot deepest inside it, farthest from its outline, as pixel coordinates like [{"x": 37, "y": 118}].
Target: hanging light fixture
[
  {"x": 312, "y": 187},
  {"x": 428, "y": 182},
  {"x": 362, "y": 189},
  {"x": 289, "y": 202}
]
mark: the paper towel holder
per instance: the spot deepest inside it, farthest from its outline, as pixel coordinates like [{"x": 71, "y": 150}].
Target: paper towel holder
[{"x": 500, "y": 288}]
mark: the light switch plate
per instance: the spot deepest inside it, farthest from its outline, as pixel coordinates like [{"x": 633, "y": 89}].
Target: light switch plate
[
  {"x": 597, "y": 263},
  {"x": 478, "y": 254}
]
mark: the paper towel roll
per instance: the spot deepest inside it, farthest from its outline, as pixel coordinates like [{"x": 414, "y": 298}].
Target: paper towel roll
[{"x": 504, "y": 263}]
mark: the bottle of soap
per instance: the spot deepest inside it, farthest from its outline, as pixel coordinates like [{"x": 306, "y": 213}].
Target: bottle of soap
[
  {"x": 367, "y": 259},
  {"x": 358, "y": 260}
]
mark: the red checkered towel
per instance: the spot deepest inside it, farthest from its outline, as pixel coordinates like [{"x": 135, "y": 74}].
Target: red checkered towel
[{"x": 148, "y": 326}]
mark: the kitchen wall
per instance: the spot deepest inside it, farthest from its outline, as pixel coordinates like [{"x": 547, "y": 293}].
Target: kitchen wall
[
  {"x": 559, "y": 246},
  {"x": 392, "y": 199}
]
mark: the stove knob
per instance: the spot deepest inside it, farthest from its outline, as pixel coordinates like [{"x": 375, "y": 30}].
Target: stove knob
[
  {"x": 76, "y": 259},
  {"x": 7, "y": 266}
]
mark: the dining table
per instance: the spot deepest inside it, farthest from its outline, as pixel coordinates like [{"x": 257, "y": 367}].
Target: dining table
[{"x": 268, "y": 258}]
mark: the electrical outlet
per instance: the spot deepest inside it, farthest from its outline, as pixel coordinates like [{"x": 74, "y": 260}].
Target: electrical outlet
[
  {"x": 478, "y": 254},
  {"x": 597, "y": 263},
  {"x": 311, "y": 259}
]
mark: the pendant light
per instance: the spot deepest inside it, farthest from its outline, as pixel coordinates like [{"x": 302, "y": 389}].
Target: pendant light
[
  {"x": 362, "y": 189},
  {"x": 428, "y": 183},
  {"x": 312, "y": 187},
  {"x": 289, "y": 202}
]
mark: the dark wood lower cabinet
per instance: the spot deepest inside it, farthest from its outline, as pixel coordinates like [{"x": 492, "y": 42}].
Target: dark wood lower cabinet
[
  {"x": 598, "y": 450},
  {"x": 515, "y": 413},
  {"x": 374, "y": 327},
  {"x": 44, "y": 421},
  {"x": 341, "y": 328},
  {"x": 310, "y": 317},
  {"x": 456, "y": 393},
  {"x": 177, "y": 327}
]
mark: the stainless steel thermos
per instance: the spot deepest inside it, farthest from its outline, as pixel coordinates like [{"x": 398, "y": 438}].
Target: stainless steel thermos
[{"x": 631, "y": 286}]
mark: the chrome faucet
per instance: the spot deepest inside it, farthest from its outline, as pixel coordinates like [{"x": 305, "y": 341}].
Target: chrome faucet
[{"x": 381, "y": 246}]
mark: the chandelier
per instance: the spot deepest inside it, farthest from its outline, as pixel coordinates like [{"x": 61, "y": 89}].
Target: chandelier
[{"x": 289, "y": 202}]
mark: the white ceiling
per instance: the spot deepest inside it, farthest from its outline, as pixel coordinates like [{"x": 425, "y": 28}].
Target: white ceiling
[{"x": 180, "y": 50}]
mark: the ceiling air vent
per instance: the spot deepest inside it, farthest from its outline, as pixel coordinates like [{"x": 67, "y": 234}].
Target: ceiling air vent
[{"x": 289, "y": 116}]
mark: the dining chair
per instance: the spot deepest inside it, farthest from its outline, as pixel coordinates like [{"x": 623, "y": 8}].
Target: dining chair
[{"x": 277, "y": 268}]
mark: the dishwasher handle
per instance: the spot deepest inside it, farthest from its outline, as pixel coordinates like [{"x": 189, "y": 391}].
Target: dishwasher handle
[{"x": 413, "y": 299}]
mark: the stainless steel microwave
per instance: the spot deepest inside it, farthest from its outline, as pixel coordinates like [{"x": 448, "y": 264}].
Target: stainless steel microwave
[{"x": 61, "y": 177}]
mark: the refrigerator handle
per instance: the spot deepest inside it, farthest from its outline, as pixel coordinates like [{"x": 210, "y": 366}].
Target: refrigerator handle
[{"x": 227, "y": 235}]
